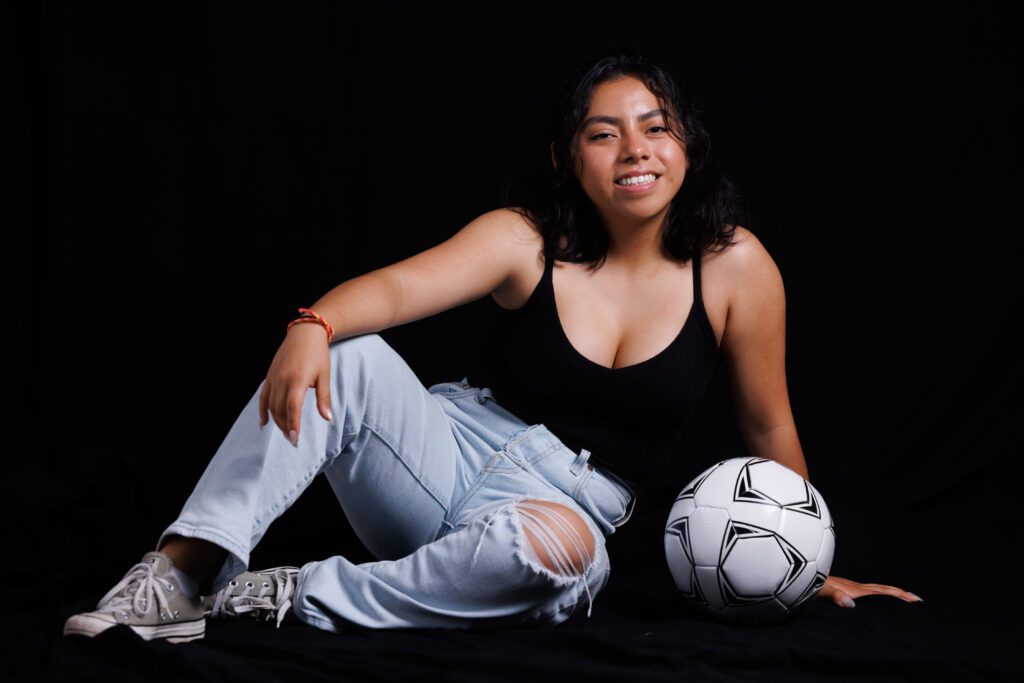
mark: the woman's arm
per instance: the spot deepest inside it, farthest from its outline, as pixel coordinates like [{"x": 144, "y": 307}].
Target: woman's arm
[
  {"x": 754, "y": 345},
  {"x": 471, "y": 264},
  {"x": 474, "y": 262}
]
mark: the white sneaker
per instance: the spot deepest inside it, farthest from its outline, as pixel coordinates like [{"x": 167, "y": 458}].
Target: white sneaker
[
  {"x": 265, "y": 594},
  {"x": 149, "y": 601}
]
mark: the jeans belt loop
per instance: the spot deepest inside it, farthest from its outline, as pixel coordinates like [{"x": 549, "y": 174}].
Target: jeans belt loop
[
  {"x": 580, "y": 462},
  {"x": 483, "y": 395}
]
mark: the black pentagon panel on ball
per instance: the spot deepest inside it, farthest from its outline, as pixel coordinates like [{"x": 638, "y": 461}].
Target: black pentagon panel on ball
[
  {"x": 811, "y": 590},
  {"x": 809, "y": 506},
  {"x": 680, "y": 529},
  {"x": 692, "y": 487},
  {"x": 746, "y": 493}
]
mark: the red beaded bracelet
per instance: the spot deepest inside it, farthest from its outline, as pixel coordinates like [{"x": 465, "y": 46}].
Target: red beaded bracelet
[{"x": 310, "y": 316}]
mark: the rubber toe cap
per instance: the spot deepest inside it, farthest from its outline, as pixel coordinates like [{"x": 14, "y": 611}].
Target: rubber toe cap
[{"x": 89, "y": 624}]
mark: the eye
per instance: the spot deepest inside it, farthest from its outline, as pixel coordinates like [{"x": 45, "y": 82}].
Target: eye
[
  {"x": 662, "y": 129},
  {"x": 598, "y": 136}
]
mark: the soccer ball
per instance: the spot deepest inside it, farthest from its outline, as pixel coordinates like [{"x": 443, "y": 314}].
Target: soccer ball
[{"x": 749, "y": 540}]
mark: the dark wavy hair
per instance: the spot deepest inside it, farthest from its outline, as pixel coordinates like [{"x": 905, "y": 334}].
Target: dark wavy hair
[{"x": 702, "y": 216}]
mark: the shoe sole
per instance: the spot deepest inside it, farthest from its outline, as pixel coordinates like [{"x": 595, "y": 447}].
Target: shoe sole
[{"x": 181, "y": 632}]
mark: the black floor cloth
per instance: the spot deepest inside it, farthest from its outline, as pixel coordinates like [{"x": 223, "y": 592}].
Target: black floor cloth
[
  {"x": 624, "y": 639},
  {"x": 966, "y": 629}
]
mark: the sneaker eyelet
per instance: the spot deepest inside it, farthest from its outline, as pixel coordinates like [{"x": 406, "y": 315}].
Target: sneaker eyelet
[
  {"x": 233, "y": 583},
  {"x": 170, "y": 586},
  {"x": 249, "y": 584},
  {"x": 175, "y": 614},
  {"x": 266, "y": 585}
]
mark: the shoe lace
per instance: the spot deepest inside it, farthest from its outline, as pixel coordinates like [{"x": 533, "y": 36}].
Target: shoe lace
[
  {"x": 274, "y": 597},
  {"x": 136, "y": 592}
]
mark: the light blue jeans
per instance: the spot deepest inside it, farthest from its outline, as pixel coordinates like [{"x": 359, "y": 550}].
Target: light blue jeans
[{"x": 439, "y": 484}]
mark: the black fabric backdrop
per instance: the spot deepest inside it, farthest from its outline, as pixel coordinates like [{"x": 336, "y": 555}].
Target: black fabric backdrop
[{"x": 185, "y": 177}]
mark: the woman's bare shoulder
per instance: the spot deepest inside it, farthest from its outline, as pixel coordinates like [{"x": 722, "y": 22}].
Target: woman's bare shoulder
[
  {"x": 522, "y": 237},
  {"x": 523, "y": 228},
  {"x": 730, "y": 275},
  {"x": 526, "y": 251},
  {"x": 745, "y": 259}
]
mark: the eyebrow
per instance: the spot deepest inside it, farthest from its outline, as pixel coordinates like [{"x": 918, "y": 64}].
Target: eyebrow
[{"x": 615, "y": 120}]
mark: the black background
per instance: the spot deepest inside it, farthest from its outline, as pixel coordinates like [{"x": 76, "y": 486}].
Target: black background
[{"x": 186, "y": 177}]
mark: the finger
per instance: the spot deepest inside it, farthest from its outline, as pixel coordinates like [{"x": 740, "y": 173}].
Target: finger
[
  {"x": 294, "y": 413},
  {"x": 877, "y": 588},
  {"x": 901, "y": 594},
  {"x": 844, "y": 600},
  {"x": 278, "y": 398},
  {"x": 323, "y": 396},
  {"x": 264, "y": 395}
]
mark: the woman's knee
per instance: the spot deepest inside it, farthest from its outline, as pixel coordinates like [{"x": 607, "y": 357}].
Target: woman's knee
[{"x": 559, "y": 537}]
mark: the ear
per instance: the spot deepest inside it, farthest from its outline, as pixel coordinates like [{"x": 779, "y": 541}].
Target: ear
[{"x": 554, "y": 162}]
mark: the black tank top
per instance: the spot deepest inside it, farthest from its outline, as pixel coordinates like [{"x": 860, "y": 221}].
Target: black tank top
[{"x": 629, "y": 418}]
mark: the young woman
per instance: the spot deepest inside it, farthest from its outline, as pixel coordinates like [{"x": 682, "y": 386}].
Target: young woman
[{"x": 616, "y": 295}]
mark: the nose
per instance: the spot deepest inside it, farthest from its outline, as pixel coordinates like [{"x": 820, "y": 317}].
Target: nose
[{"x": 635, "y": 146}]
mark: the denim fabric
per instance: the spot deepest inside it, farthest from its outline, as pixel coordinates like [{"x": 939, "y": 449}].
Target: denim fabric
[{"x": 439, "y": 485}]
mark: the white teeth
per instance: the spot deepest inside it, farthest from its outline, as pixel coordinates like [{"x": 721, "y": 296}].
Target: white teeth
[{"x": 636, "y": 180}]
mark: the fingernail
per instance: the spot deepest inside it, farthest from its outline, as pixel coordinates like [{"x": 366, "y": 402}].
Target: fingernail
[
  {"x": 919, "y": 599},
  {"x": 847, "y": 602},
  {"x": 293, "y": 436},
  {"x": 330, "y": 415}
]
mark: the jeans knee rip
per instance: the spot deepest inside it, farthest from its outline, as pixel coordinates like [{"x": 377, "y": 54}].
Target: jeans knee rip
[{"x": 539, "y": 520}]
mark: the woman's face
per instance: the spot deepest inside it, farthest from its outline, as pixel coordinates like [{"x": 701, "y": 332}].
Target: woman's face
[{"x": 625, "y": 135}]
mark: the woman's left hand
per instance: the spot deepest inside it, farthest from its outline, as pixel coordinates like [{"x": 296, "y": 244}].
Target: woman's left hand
[{"x": 843, "y": 591}]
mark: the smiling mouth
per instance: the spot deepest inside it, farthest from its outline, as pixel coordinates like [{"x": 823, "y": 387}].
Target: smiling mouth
[
  {"x": 645, "y": 179},
  {"x": 644, "y": 187}
]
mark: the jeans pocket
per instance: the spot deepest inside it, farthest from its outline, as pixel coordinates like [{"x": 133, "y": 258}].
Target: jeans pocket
[
  {"x": 600, "y": 482},
  {"x": 607, "y": 498},
  {"x": 452, "y": 389}
]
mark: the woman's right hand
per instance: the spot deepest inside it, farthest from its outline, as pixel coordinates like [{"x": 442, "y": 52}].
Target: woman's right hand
[{"x": 301, "y": 362}]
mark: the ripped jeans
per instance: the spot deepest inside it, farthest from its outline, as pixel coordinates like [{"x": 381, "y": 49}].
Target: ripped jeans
[{"x": 475, "y": 517}]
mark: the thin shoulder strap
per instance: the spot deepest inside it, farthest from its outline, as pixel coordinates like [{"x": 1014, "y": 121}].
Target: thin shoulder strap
[{"x": 696, "y": 280}]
